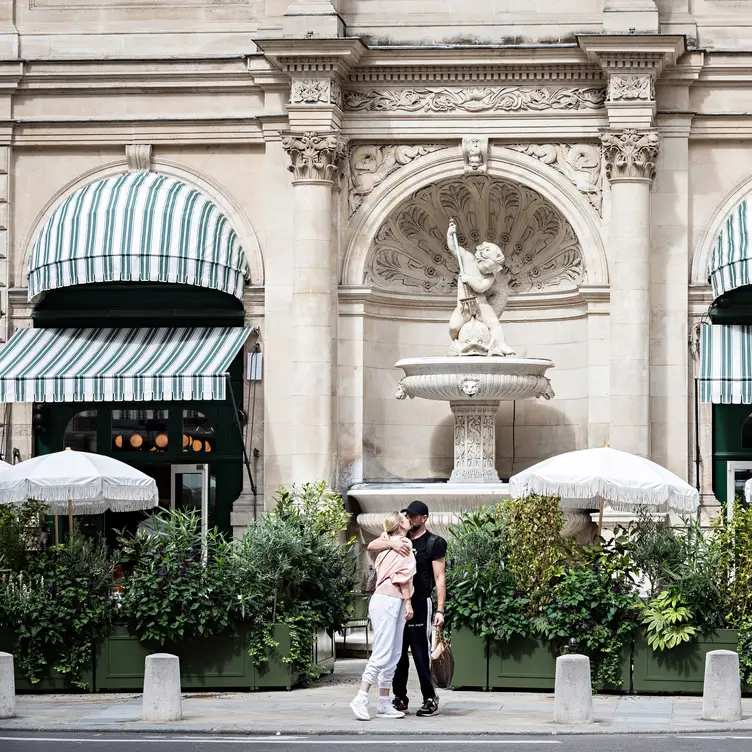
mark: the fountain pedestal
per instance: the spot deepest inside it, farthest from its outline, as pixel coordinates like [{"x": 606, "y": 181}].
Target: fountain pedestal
[{"x": 474, "y": 442}]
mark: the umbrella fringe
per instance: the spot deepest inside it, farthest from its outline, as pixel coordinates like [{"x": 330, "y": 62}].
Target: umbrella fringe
[
  {"x": 588, "y": 495},
  {"x": 102, "y": 494}
]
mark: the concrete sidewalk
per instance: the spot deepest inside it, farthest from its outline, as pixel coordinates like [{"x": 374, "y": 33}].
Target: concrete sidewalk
[{"x": 323, "y": 709}]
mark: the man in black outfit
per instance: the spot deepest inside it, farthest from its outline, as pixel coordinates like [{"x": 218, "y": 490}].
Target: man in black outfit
[{"x": 430, "y": 555}]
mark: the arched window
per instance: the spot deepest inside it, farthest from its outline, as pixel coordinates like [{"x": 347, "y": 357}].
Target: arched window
[
  {"x": 81, "y": 432},
  {"x": 198, "y": 433},
  {"x": 139, "y": 430},
  {"x": 747, "y": 433}
]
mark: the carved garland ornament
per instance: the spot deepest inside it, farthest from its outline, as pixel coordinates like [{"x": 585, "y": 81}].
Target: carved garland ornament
[
  {"x": 314, "y": 156},
  {"x": 488, "y": 99},
  {"x": 630, "y": 87},
  {"x": 409, "y": 252},
  {"x": 369, "y": 165},
  {"x": 630, "y": 155},
  {"x": 581, "y": 164}
]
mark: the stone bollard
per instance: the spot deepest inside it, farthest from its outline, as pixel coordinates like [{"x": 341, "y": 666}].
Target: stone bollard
[
  {"x": 573, "y": 693},
  {"x": 7, "y": 686},
  {"x": 722, "y": 691},
  {"x": 161, "y": 700}
]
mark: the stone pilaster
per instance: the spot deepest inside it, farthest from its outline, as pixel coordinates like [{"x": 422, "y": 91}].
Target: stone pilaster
[
  {"x": 314, "y": 162},
  {"x": 313, "y": 19},
  {"x": 630, "y": 16},
  {"x": 630, "y": 158},
  {"x": 474, "y": 442}
]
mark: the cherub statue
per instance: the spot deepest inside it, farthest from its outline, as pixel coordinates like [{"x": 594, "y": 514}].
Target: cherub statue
[{"x": 482, "y": 295}]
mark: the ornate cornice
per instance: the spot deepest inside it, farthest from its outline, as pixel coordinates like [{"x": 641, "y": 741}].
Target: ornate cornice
[
  {"x": 630, "y": 154},
  {"x": 314, "y": 156},
  {"x": 474, "y": 100}
]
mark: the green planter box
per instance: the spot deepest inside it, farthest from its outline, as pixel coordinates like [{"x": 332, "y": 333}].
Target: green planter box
[
  {"x": 470, "y": 660},
  {"x": 51, "y": 681},
  {"x": 680, "y": 670},
  {"x": 525, "y": 663},
  {"x": 217, "y": 662}
]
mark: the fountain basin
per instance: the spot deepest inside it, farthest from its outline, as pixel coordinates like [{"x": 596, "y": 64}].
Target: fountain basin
[{"x": 475, "y": 378}]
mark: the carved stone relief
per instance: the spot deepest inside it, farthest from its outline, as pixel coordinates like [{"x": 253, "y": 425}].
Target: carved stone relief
[
  {"x": 630, "y": 154},
  {"x": 316, "y": 91},
  {"x": 488, "y": 99},
  {"x": 314, "y": 156},
  {"x": 581, "y": 164},
  {"x": 630, "y": 87},
  {"x": 410, "y": 253},
  {"x": 475, "y": 154},
  {"x": 369, "y": 165}
]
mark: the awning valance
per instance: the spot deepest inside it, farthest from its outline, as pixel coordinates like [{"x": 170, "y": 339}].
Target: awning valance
[
  {"x": 137, "y": 227},
  {"x": 92, "y": 365},
  {"x": 726, "y": 364},
  {"x": 730, "y": 264}
]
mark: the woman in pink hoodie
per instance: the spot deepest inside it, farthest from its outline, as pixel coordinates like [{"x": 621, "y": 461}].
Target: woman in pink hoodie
[{"x": 388, "y": 610}]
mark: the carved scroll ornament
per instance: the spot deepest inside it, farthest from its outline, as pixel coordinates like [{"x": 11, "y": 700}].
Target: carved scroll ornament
[
  {"x": 630, "y": 154},
  {"x": 314, "y": 156}
]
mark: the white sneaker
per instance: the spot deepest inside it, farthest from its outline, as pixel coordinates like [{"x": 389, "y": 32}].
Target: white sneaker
[
  {"x": 388, "y": 711},
  {"x": 359, "y": 706}
]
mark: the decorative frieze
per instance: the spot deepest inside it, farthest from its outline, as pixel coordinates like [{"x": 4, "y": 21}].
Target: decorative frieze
[
  {"x": 368, "y": 165},
  {"x": 630, "y": 154},
  {"x": 485, "y": 74},
  {"x": 581, "y": 164},
  {"x": 475, "y": 100},
  {"x": 410, "y": 254},
  {"x": 313, "y": 91},
  {"x": 630, "y": 87},
  {"x": 475, "y": 154},
  {"x": 314, "y": 156}
]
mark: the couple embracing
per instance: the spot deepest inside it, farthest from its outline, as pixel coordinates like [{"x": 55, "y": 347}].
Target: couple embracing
[{"x": 410, "y": 562}]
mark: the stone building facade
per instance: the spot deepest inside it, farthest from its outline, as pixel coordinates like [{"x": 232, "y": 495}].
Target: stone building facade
[{"x": 601, "y": 143}]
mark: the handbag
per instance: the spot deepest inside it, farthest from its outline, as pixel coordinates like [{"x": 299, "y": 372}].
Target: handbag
[
  {"x": 442, "y": 661},
  {"x": 369, "y": 582}
]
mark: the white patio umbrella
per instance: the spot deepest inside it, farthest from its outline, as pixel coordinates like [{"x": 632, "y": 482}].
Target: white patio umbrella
[
  {"x": 78, "y": 483},
  {"x": 589, "y": 478}
]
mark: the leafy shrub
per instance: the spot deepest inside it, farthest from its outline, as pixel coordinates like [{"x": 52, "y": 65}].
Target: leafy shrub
[
  {"x": 171, "y": 593},
  {"x": 20, "y": 533},
  {"x": 59, "y": 607},
  {"x": 668, "y": 621}
]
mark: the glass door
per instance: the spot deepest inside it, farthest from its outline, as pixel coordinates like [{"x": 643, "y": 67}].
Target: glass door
[
  {"x": 189, "y": 490},
  {"x": 737, "y": 474}
]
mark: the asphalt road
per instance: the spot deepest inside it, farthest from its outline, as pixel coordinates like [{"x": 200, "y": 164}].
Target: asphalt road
[{"x": 10, "y": 742}]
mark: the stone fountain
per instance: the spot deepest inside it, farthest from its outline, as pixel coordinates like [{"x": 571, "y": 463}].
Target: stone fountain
[{"x": 479, "y": 372}]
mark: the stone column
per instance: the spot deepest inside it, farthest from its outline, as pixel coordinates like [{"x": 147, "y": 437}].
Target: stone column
[
  {"x": 474, "y": 442},
  {"x": 630, "y": 156},
  {"x": 314, "y": 164}
]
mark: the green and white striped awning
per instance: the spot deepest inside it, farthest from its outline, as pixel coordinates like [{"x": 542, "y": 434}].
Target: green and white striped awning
[
  {"x": 137, "y": 227},
  {"x": 726, "y": 364},
  {"x": 114, "y": 365},
  {"x": 730, "y": 264}
]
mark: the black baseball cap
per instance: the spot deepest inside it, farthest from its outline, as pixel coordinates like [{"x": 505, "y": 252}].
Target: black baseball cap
[{"x": 417, "y": 508}]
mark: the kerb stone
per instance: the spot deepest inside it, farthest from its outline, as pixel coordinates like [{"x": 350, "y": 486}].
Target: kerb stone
[
  {"x": 722, "y": 692},
  {"x": 162, "y": 701},
  {"x": 7, "y": 686},
  {"x": 573, "y": 693}
]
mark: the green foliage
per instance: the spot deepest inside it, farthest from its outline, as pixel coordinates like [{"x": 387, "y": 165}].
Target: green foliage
[
  {"x": 20, "y": 533},
  {"x": 654, "y": 549},
  {"x": 170, "y": 593},
  {"x": 593, "y": 600},
  {"x": 667, "y": 621},
  {"x": 291, "y": 568},
  {"x": 59, "y": 607}
]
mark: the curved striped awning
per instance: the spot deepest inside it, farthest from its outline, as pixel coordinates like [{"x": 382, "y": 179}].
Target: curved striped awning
[
  {"x": 726, "y": 364},
  {"x": 730, "y": 264},
  {"x": 137, "y": 227},
  {"x": 114, "y": 365}
]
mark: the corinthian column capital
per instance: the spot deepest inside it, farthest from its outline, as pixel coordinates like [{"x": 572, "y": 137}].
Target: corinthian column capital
[
  {"x": 314, "y": 156},
  {"x": 630, "y": 154}
]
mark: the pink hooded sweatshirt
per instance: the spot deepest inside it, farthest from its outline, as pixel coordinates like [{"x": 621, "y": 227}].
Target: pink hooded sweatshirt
[{"x": 393, "y": 570}]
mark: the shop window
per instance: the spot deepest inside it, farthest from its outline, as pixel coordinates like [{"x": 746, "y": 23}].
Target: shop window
[
  {"x": 198, "y": 433},
  {"x": 139, "y": 431},
  {"x": 81, "y": 432},
  {"x": 747, "y": 433}
]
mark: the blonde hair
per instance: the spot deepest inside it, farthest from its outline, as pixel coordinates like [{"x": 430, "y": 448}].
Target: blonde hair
[{"x": 392, "y": 523}]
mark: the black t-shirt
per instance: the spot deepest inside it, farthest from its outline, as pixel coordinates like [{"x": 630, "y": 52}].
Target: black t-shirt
[{"x": 424, "y": 579}]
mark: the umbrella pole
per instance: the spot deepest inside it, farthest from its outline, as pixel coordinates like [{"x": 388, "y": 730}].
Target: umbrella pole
[
  {"x": 600, "y": 516},
  {"x": 70, "y": 517},
  {"x": 57, "y": 530}
]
